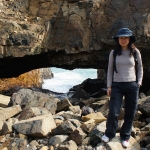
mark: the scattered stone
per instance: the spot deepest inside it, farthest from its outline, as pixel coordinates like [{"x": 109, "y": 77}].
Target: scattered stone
[
  {"x": 69, "y": 145},
  {"x": 98, "y": 117},
  {"x": 58, "y": 121},
  {"x": 75, "y": 109},
  {"x": 88, "y": 125},
  {"x": 86, "y": 110},
  {"x": 147, "y": 120},
  {"x": 63, "y": 105},
  {"x": 36, "y": 126},
  {"x": 75, "y": 122},
  {"x": 9, "y": 112},
  {"x": 1, "y": 125},
  {"x": 22, "y": 136},
  {"x": 138, "y": 115},
  {"x": 4, "y": 100},
  {"x": 145, "y": 141},
  {"x": 86, "y": 141},
  {"x": 29, "y": 98},
  {"x": 64, "y": 128},
  {"x": 71, "y": 115},
  {"x": 7, "y": 127},
  {"x": 137, "y": 124},
  {"x": 144, "y": 107},
  {"x": 57, "y": 140},
  {"x": 146, "y": 128},
  {"x": 104, "y": 109},
  {"x": 77, "y": 136},
  {"x": 115, "y": 144},
  {"x": 34, "y": 143},
  {"x": 142, "y": 95},
  {"x": 32, "y": 112},
  {"x": 51, "y": 148},
  {"x": 44, "y": 148},
  {"x": 80, "y": 93}
]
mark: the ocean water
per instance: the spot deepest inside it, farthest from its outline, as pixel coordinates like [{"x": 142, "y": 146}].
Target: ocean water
[{"x": 65, "y": 79}]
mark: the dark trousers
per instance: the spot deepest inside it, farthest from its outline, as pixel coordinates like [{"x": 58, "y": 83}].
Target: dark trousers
[{"x": 119, "y": 89}]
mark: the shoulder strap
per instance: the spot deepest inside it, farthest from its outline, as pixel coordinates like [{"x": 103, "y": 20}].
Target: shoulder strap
[
  {"x": 114, "y": 60},
  {"x": 136, "y": 64},
  {"x": 135, "y": 57}
]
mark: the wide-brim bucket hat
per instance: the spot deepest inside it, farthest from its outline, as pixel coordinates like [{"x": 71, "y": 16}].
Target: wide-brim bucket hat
[{"x": 125, "y": 32}]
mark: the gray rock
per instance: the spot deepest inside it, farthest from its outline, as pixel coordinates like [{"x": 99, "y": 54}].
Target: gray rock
[
  {"x": 34, "y": 143},
  {"x": 64, "y": 104},
  {"x": 36, "y": 126},
  {"x": 86, "y": 141},
  {"x": 71, "y": 115},
  {"x": 80, "y": 93},
  {"x": 57, "y": 139},
  {"x": 145, "y": 141},
  {"x": 69, "y": 145},
  {"x": 146, "y": 128},
  {"x": 19, "y": 143},
  {"x": 144, "y": 106},
  {"x": 64, "y": 128},
  {"x": 86, "y": 110},
  {"x": 77, "y": 136},
  {"x": 4, "y": 100},
  {"x": 9, "y": 112},
  {"x": 7, "y": 128},
  {"x": 115, "y": 144},
  {"x": 32, "y": 112},
  {"x": 28, "y": 98},
  {"x": 75, "y": 122},
  {"x": 75, "y": 109},
  {"x": 148, "y": 147},
  {"x": 88, "y": 125}
]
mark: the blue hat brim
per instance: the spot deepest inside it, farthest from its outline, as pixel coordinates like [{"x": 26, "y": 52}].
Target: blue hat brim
[{"x": 132, "y": 38}]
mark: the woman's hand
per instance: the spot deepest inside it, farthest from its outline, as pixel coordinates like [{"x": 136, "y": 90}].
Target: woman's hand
[
  {"x": 109, "y": 91},
  {"x": 133, "y": 46},
  {"x": 139, "y": 85}
]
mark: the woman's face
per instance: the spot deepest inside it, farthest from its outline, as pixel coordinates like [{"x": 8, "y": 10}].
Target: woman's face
[{"x": 124, "y": 41}]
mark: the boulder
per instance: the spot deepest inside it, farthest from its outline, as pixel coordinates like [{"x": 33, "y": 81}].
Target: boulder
[
  {"x": 31, "y": 112},
  {"x": 69, "y": 145},
  {"x": 4, "y": 100},
  {"x": 63, "y": 105},
  {"x": 65, "y": 127},
  {"x": 98, "y": 117},
  {"x": 39, "y": 126},
  {"x": 77, "y": 136},
  {"x": 88, "y": 125},
  {"x": 75, "y": 109},
  {"x": 144, "y": 106},
  {"x": 57, "y": 140},
  {"x": 115, "y": 144},
  {"x": 28, "y": 98},
  {"x": 9, "y": 112}
]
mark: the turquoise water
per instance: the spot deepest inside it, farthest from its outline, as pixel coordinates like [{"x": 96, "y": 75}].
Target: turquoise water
[{"x": 65, "y": 79}]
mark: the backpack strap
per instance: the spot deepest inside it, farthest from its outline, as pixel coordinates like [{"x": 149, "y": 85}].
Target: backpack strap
[
  {"x": 136, "y": 64},
  {"x": 114, "y": 61}
]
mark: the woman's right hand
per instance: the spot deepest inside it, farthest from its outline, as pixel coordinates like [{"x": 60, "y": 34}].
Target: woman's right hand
[{"x": 109, "y": 91}]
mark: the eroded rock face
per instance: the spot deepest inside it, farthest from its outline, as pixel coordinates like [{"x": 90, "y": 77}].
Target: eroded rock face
[
  {"x": 68, "y": 34},
  {"x": 33, "y": 78}
]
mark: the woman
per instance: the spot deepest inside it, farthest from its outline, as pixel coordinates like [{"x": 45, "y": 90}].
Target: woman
[{"x": 123, "y": 83}]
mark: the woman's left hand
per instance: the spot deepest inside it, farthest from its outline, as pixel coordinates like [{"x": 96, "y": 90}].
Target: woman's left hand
[{"x": 139, "y": 85}]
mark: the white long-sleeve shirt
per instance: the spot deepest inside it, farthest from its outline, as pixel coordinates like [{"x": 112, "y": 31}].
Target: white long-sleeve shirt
[{"x": 125, "y": 65}]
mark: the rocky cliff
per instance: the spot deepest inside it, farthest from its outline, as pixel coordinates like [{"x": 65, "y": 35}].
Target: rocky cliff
[{"x": 68, "y": 34}]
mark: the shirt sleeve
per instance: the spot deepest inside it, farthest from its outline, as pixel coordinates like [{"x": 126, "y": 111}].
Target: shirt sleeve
[
  {"x": 110, "y": 69},
  {"x": 139, "y": 68}
]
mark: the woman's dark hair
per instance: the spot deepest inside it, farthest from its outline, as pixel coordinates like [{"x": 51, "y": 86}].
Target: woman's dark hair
[{"x": 119, "y": 49}]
